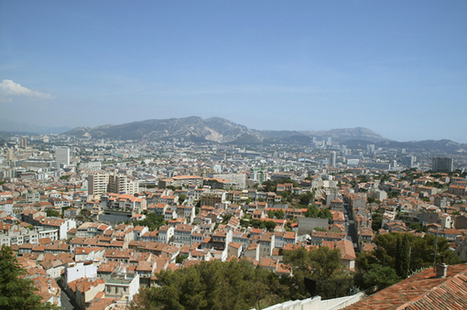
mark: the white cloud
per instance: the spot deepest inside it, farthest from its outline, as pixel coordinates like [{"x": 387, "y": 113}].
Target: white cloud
[{"x": 8, "y": 88}]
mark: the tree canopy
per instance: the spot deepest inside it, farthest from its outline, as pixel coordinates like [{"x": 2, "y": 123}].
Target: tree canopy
[
  {"x": 278, "y": 214},
  {"x": 404, "y": 254},
  {"x": 152, "y": 221},
  {"x": 211, "y": 285},
  {"x": 52, "y": 213},
  {"x": 314, "y": 212},
  {"x": 322, "y": 265},
  {"x": 238, "y": 284}
]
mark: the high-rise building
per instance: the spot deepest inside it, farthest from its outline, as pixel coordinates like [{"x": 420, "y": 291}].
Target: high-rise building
[
  {"x": 120, "y": 184},
  {"x": 9, "y": 154},
  {"x": 98, "y": 184},
  {"x": 333, "y": 159},
  {"x": 408, "y": 161},
  {"x": 442, "y": 164},
  {"x": 62, "y": 156}
]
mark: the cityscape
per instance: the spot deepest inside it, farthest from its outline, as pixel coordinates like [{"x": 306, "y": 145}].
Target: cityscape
[
  {"x": 94, "y": 220},
  {"x": 233, "y": 155}
]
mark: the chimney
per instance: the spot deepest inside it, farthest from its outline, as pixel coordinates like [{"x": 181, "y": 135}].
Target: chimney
[{"x": 441, "y": 270}]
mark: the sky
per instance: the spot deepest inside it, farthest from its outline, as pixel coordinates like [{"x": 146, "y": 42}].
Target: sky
[{"x": 398, "y": 68}]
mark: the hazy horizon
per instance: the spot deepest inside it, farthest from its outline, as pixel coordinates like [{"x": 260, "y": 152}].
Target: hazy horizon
[{"x": 397, "y": 68}]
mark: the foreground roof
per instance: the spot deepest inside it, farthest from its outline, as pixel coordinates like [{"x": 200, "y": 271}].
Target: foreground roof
[{"x": 422, "y": 291}]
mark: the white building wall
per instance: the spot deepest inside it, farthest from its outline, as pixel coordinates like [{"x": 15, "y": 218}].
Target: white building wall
[{"x": 80, "y": 271}]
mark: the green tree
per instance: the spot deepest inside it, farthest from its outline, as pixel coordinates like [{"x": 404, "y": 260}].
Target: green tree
[
  {"x": 401, "y": 263},
  {"x": 320, "y": 264},
  {"x": 364, "y": 261},
  {"x": 416, "y": 226},
  {"x": 180, "y": 259},
  {"x": 380, "y": 276},
  {"x": 269, "y": 225},
  {"x": 152, "y": 221},
  {"x": 181, "y": 198},
  {"x": 325, "y": 214},
  {"x": 278, "y": 214},
  {"x": 305, "y": 199},
  {"x": 377, "y": 221},
  {"x": 211, "y": 285},
  {"x": 17, "y": 292},
  {"x": 421, "y": 250},
  {"x": 53, "y": 213},
  {"x": 319, "y": 229},
  {"x": 312, "y": 212}
]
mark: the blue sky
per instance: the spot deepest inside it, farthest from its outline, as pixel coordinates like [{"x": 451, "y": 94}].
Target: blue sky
[{"x": 396, "y": 67}]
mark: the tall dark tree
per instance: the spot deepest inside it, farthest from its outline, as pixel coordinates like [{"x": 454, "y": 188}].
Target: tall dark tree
[
  {"x": 15, "y": 291},
  {"x": 397, "y": 255},
  {"x": 404, "y": 259}
]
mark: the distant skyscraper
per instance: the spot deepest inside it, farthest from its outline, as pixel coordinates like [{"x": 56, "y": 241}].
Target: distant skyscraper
[
  {"x": 9, "y": 154},
  {"x": 442, "y": 164},
  {"x": 333, "y": 159},
  {"x": 408, "y": 161},
  {"x": 62, "y": 156}
]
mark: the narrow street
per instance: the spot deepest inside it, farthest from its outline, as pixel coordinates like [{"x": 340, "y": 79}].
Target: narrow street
[
  {"x": 66, "y": 305},
  {"x": 350, "y": 228}
]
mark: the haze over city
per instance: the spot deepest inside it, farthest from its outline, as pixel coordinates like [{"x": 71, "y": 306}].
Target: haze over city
[{"x": 397, "y": 68}]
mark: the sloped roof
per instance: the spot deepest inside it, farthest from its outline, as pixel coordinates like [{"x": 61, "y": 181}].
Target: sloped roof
[{"x": 422, "y": 291}]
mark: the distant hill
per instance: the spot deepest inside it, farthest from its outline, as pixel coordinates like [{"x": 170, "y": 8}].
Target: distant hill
[
  {"x": 216, "y": 129},
  {"x": 446, "y": 146},
  {"x": 191, "y": 128}
]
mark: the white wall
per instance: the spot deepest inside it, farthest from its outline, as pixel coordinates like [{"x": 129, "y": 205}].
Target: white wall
[
  {"x": 134, "y": 287},
  {"x": 317, "y": 304},
  {"x": 81, "y": 271}
]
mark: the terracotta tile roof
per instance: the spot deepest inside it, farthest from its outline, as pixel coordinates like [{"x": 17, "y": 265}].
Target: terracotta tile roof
[
  {"x": 422, "y": 291},
  {"x": 347, "y": 250},
  {"x": 452, "y": 294},
  {"x": 235, "y": 245},
  {"x": 144, "y": 266},
  {"x": 107, "y": 267},
  {"x": 101, "y": 303}
]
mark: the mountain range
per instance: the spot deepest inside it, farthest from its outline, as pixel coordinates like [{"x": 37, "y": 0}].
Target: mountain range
[{"x": 216, "y": 129}]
